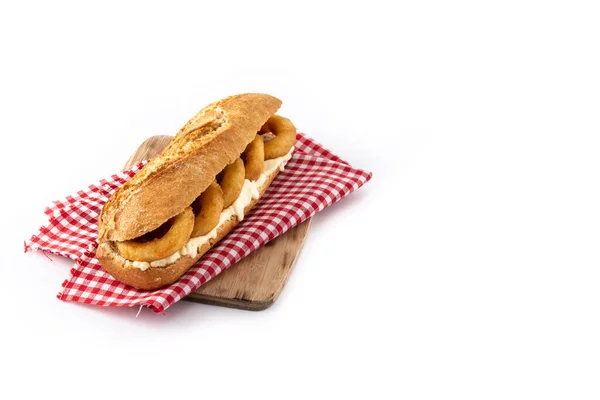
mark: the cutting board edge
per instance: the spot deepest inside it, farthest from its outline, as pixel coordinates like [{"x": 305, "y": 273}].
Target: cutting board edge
[{"x": 250, "y": 305}]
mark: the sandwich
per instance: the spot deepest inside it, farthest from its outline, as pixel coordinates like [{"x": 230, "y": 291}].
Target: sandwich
[{"x": 156, "y": 226}]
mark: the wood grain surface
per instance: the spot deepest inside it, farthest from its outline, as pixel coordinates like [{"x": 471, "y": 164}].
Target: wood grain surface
[{"x": 255, "y": 282}]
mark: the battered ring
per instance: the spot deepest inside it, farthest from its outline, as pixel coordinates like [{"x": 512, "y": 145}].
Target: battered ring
[
  {"x": 232, "y": 181},
  {"x": 175, "y": 238},
  {"x": 211, "y": 205},
  {"x": 254, "y": 158},
  {"x": 285, "y": 136}
]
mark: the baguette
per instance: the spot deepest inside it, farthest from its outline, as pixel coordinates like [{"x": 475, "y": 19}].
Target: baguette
[{"x": 170, "y": 182}]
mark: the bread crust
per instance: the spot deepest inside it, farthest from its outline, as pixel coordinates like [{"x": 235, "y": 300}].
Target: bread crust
[
  {"x": 157, "y": 277},
  {"x": 171, "y": 181}
]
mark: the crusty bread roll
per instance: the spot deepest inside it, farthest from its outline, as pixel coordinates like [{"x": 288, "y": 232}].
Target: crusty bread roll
[
  {"x": 211, "y": 140},
  {"x": 171, "y": 181}
]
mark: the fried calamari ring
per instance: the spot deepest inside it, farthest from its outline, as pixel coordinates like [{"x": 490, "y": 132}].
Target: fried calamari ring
[
  {"x": 210, "y": 204},
  {"x": 232, "y": 181},
  {"x": 254, "y": 158},
  {"x": 155, "y": 249},
  {"x": 285, "y": 136}
]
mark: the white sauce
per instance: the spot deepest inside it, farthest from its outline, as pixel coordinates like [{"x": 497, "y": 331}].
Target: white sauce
[{"x": 249, "y": 193}]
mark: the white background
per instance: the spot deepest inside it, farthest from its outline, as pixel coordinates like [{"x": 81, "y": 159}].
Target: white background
[{"x": 467, "y": 268}]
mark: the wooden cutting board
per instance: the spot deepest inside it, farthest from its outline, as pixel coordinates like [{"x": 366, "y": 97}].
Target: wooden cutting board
[{"x": 254, "y": 283}]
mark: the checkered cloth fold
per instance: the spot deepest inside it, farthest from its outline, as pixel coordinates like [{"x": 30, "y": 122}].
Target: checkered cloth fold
[{"x": 313, "y": 179}]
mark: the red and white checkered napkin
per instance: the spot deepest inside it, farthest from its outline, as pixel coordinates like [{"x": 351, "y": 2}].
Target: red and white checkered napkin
[{"x": 313, "y": 179}]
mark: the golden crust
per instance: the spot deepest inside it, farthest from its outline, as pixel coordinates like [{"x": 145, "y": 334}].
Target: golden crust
[
  {"x": 157, "y": 277},
  {"x": 171, "y": 181}
]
